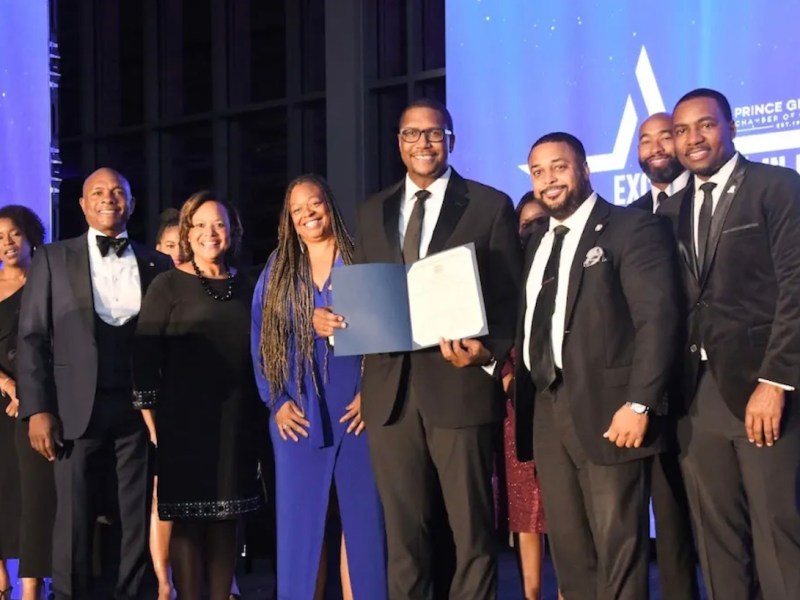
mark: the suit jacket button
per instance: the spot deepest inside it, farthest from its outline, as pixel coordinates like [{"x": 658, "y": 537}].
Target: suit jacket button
[{"x": 693, "y": 348}]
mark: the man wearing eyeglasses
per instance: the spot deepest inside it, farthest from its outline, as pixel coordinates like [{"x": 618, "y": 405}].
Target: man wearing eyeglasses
[{"x": 431, "y": 414}]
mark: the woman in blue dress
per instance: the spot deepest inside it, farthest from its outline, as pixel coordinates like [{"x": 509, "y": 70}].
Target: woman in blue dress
[{"x": 321, "y": 454}]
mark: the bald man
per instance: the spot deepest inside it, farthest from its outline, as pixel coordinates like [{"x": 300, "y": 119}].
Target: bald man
[
  {"x": 677, "y": 559},
  {"x": 659, "y": 162},
  {"x": 79, "y": 311}
]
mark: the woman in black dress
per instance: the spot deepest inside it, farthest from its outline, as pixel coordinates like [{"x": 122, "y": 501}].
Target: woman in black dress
[
  {"x": 27, "y": 499},
  {"x": 191, "y": 368}
]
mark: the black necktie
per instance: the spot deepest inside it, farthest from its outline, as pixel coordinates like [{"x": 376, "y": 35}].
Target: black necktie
[
  {"x": 106, "y": 243},
  {"x": 543, "y": 366},
  {"x": 704, "y": 225},
  {"x": 662, "y": 195},
  {"x": 413, "y": 234}
]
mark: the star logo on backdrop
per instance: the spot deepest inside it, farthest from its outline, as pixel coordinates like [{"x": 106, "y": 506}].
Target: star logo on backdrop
[{"x": 616, "y": 160}]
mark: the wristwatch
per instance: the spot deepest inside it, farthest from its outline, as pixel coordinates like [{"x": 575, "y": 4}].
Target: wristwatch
[{"x": 639, "y": 409}]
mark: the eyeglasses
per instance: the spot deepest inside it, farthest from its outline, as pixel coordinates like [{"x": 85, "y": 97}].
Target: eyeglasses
[{"x": 434, "y": 134}]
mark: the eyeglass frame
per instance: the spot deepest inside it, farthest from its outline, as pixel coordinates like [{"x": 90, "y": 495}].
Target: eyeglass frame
[{"x": 426, "y": 132}]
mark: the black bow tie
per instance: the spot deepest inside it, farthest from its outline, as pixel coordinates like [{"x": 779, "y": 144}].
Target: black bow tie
[{"x": 106, "y": 243}]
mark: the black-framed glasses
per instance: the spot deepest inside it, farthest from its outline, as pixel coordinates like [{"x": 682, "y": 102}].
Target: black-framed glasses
[{"x": 432, "y": 134}]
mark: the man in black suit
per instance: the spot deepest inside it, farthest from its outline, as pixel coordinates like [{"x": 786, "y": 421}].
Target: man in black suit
[
  {"x": 596, "y": 338},
  {"x": 78, "y": 315},
  {"x": 431, "y": 414},
  {"x": 736, "y": 227},
  {"x": 658, "y": 161},
  {"x": 677, "y": 559}
]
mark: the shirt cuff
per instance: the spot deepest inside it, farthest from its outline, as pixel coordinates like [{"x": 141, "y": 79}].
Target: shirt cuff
[
  {"x": 783, "y": 386},
  {"x": 490, "y": 368}
]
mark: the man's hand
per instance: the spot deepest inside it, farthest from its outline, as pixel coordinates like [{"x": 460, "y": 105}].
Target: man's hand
[
  {"x": 627, "y": 429},
  {"x": 44, "y": 432},
  {"x": 762, "y": 417},
  {"x": 464, "y": 353},
  {"x": 10, "y": 389},
  {"x": 326, "y": 321}
]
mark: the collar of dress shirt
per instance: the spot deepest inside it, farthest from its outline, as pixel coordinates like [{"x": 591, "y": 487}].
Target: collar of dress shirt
[
  {"x": 437, "y": 188},
  {"x": 577, "y": 220},
  {"x": 720, "y": 177},
  {"x": 676, "y": 186}
]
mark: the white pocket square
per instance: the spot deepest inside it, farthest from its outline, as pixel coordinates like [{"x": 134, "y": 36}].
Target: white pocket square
[{"x": 594, "y": 256}]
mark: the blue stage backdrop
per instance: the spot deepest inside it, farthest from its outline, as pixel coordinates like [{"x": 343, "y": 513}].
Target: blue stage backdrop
[
  {"x": 25, "y": 105},
  {"x": 517, "y": 69}
]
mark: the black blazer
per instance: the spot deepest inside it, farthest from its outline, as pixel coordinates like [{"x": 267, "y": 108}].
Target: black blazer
[
  {"x": 449, "y": 396},
  {"x": 644, "y": 202},
  {"x": 56, "y": 352},
  {"x": 620, "y": 334},
  {"x": 745, "y": 307}
]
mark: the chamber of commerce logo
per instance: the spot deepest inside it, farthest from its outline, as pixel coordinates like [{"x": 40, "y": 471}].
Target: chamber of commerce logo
[{"x": 777, "y": 124}]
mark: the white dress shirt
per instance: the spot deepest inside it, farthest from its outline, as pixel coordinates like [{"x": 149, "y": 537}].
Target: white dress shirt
[
  {"x": 576, "y": 223},
  {"x": 676, "y": 186},
  {"x": 116, "y": 284},
  {"x": 433, "y": 207}
]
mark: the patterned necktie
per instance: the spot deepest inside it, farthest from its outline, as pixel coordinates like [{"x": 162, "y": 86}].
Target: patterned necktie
[
  {"x": 106, "y": 243},
  {"x": 543, "y": 366},
  {"x": 704, "y": 225},
  {"x": 413, "y": 235}
]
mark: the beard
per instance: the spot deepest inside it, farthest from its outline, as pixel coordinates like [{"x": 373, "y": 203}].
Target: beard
[
  {"x": 570, "y": 203},
  {"x": 666, "y": 174}
]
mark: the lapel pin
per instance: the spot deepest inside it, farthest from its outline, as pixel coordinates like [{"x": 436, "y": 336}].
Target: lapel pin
[
  {"x": 732, "y": 189},
  {"x": 598, "y": 227},
  {"x": 152, "y": 264}
]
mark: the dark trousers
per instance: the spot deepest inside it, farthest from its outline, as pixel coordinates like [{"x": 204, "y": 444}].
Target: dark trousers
[
  {"x": 677, "y": 559},
  {"x": 414, "y": 463},
  {"x": 743, "y": 499},
  {"x": 117, "y": 432},
  {"x": 597, "y": 515}
]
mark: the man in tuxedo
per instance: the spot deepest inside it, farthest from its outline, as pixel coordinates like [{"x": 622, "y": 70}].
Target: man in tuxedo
[
  {"x": 658, "y": 161},
  {"x": 596, "y": 337},
  {"x": 677, "y": 558},
  {"x": 78, "y": 315},
  {"x": 736, "y": 226},
  {"x": 432, "y": 414}
]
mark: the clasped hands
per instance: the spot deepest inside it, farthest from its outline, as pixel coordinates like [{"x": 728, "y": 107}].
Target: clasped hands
[
  {"x": 292, "y": 422},
  {"x": 459, "y": 353}
]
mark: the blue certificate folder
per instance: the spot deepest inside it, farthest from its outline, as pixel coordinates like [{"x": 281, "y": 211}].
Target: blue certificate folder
[{"x": 374, "y": 300}]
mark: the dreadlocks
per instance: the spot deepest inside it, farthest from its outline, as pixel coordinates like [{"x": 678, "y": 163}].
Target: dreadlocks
[{"x": 289, "y": 297}]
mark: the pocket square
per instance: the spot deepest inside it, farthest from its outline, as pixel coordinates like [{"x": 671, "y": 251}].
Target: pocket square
[{"x": 594, "y": 256}]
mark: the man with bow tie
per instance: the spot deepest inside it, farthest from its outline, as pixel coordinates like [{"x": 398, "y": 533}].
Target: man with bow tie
[
  {"x": 736, "y": 226},
  {"x": 78, "y": 315},
  {"x": 596, "y": 335}
]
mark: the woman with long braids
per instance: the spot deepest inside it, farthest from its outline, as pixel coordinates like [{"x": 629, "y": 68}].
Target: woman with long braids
[
  {"x": 322, "y": 463},
  {"x": 192, "y": 370}
]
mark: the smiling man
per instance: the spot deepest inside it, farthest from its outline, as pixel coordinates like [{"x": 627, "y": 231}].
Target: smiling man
[
  {"x": 736, "y": 226},
  {"x": 595, "y": 342},
  {"x": 658, "y": 161},
  {"x": 78, "y": 315},
  {"x": 431, "y": 414}
]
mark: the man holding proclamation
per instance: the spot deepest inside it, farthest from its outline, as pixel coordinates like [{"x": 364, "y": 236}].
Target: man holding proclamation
[
  {"x": 596, "y": 340},
  {"x": 431, "y": 414}
]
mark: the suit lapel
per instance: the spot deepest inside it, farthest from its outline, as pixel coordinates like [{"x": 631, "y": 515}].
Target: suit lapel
[
  {"x": 80, "y": 277},
  {"x": 147, "y": 266},
  {"x": 531, "y": 247},
  {"x": 686, "y": 247},
  {"x": 724, "y": 204},
  {"x": 454, "y": 205},
  {"x": 594, "y": 227},
  {"x": 391, "y": 220}
]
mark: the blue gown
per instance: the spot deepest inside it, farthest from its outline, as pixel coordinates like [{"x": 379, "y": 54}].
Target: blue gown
[{"x": 306, "y": 470}]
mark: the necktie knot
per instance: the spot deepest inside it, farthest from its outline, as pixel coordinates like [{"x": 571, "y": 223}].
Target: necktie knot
[
  {"x": 106, "y": 244},
  {"x": 707, "y": 187},
  {"x": 662, "y": 195},
  {"x": 560, "y": 231},
  {"x": 422, "y": 195}
]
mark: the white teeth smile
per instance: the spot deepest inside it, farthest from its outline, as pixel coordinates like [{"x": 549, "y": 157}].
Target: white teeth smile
[
  {"x": 313, "y": 224},
  {"x": 12, "y": 252},
  {"x": 553, "y": 192}
]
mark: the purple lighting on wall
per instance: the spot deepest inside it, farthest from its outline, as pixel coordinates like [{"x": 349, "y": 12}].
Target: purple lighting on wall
[{"x": 25, "y": 128}]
